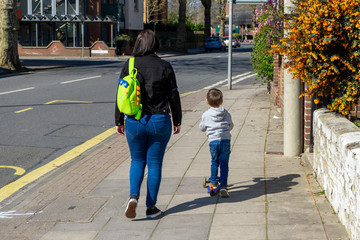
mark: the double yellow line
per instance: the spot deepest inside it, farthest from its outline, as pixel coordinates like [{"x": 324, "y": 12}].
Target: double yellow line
[{"x": 13, "y": 187}]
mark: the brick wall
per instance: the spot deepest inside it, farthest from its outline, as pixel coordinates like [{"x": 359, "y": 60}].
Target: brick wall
[
  {"x": 336, "y": 162},
  {"x": 307, "y": 121},
  {"x": 277, "y": 86}
]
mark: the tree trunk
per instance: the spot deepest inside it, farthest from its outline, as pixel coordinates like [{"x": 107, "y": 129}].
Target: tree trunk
[
  {"x": 207, "y": 18},
  {"x": 181, "y": 31},
  {"x": 222, "y": 28},
  {"x": 9, "y": 57},
  {"x": 222, "y": 16}
]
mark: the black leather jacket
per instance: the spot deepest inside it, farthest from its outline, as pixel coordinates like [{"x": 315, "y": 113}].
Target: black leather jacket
[{"x": 159, "y": 93}]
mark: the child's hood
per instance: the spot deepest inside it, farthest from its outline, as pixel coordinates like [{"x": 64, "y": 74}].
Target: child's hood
[{"x": 217, "y": 114}]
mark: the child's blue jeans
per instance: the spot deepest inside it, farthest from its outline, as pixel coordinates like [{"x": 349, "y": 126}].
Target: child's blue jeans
[
  {"x": 220, "y": 153},
  {"x": 147, "y": 139}
]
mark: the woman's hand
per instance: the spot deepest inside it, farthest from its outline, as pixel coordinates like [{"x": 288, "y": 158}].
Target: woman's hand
[
  {"x": 120, "y": 130},
  {"x": 177, "y": 129}
]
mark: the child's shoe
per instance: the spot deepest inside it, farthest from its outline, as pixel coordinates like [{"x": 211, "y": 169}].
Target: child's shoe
[
  {"x": 153, "y": 212},
  {"x": 130, "y": 211},
  {"x": 224, "y": 193}
]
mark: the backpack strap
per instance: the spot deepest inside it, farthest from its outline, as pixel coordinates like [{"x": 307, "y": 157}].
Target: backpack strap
[
  {"x": 132, "y": 69},
  {"x": 131, "y": 64}
]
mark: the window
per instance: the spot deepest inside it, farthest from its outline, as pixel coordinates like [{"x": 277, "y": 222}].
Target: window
[
  {"x": 36, "y": 6},
  {"x": 72, "y": 7},
  {"x": 136, "y": 3}
]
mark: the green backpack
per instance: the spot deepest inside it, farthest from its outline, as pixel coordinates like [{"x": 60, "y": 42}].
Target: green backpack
[{"x": 128, "y": 94}]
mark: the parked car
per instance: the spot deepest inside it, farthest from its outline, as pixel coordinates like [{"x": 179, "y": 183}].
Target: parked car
[
  {"x": 214, "y": 43},
  {"x": 235, "y": 41}
]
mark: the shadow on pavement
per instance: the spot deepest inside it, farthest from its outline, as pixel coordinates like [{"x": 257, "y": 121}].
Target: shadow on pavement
[{"x": 242, "y": 193}]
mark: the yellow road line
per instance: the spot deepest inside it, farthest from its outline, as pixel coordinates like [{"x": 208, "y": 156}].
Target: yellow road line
[
  {"x": 23, "y": 110},
  {"x": 67, "y": 101},
  {"x": 13, "y": 187},
  {"x": 18, "y": 170}
]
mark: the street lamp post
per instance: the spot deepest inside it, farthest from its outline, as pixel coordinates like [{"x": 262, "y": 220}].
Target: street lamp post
[
  {"x": 292, "y": 110},
  {"x": 230, "y": 45}
]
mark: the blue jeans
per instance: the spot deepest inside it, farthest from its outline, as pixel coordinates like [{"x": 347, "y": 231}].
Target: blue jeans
[
  {"x": 220, "y": 153},
  {"x": 147, "y": 139}
]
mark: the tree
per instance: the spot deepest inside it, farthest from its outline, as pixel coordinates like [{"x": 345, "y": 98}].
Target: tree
[
  {"x": 222, "y": 15},
  {"x": 192, "y": 10},
  {"x": 153, "y": 9},
  {"x": 173, "y": 11},
  {"x": 207, "y": 17},
  {"x": 181, "y": 31},
  {"x": 9, "y": 57}
]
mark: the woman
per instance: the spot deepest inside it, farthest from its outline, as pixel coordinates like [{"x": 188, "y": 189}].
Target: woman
[{"x": 148, "y": 137}]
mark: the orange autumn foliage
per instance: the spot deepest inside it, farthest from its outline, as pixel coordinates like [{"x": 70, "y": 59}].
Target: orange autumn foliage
[{"x": 322, "y": 46}]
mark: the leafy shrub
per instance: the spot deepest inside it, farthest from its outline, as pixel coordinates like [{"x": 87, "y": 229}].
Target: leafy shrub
[
  {"x": 323, "y": 50},
  {"x": 270, "y": 27}
]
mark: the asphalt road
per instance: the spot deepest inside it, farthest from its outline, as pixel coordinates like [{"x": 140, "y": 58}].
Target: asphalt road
[{"x": 44, "y": 114}]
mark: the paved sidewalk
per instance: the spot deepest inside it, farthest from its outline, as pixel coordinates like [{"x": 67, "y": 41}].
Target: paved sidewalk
[{"x": 272, "y": 197}]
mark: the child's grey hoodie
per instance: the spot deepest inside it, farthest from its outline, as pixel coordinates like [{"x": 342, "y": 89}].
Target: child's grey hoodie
[{"x": 217, "y": 123}]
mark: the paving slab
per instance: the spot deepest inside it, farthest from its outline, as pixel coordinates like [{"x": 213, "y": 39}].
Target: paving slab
[
  {"x": 249, "y": 232},
  {"x": 71, "y": 209},
  {"x": 313, "y": 231},
  {"x": 78, "y": 235}
]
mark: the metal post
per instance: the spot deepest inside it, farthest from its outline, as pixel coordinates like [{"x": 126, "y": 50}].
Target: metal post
[
  {"x": 29, "y": 7},
  {"x": 82, "y": 39},
  {"x": 36, "y": 35},
  {"x": 77, "y": 7},
  {"x": 66, "y": 7},
  {"x": 53, "y": 7},
  {"x": 74, "y": 35},
  {"x": 112, "y": 35},
  {"x": 230, "y": 45},
  {"x": 41, "y": 7}
]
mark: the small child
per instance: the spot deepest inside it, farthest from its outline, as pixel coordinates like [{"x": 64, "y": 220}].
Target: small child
[{"x": 217, "y": 123}]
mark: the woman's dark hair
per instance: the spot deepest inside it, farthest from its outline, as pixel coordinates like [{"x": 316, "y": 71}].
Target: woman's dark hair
[
  {"x": 146, "y": 42},
  {"x": 214, "y": 97}
]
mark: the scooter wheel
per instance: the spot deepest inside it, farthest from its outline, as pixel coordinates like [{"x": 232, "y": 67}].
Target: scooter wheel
[{"x": 204, "y": 182}]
